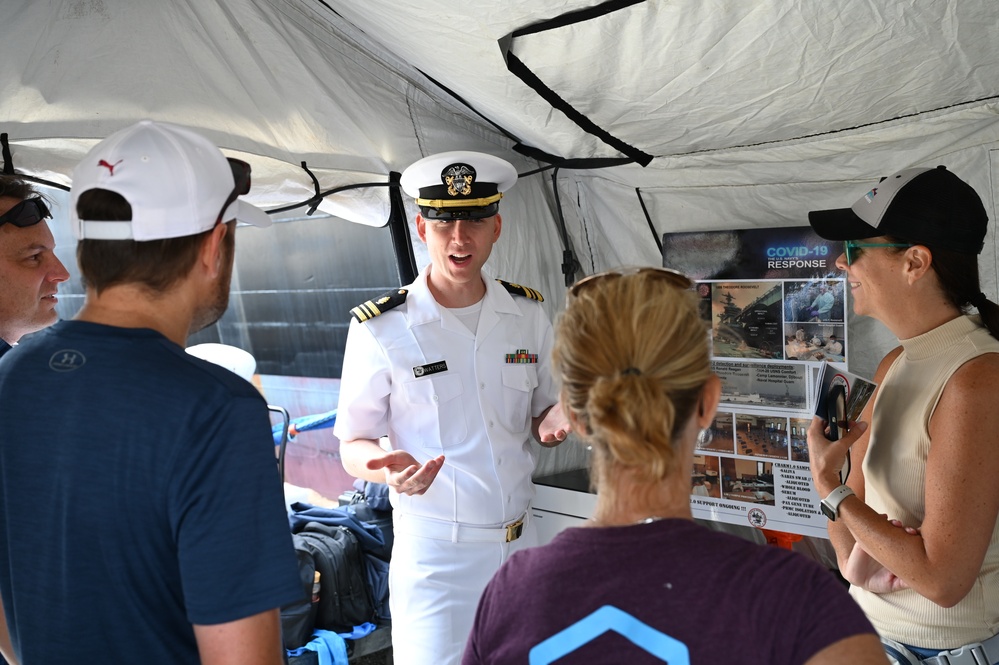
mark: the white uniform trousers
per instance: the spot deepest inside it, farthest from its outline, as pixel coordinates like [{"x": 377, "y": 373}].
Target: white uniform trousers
[{"x": 434, "y": 590}]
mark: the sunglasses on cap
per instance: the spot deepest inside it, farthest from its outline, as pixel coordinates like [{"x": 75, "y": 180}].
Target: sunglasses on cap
[
  {"x": 26, "y": 213},
  {"x": 853, "y": 249},
  {"x": 671, "y": 277},
  {"x": 241, "y": 176}
]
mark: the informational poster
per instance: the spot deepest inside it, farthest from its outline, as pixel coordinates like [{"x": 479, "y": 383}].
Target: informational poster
[{"x": 775, "y": 303}]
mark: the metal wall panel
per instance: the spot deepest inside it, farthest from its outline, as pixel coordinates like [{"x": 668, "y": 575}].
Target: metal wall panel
[{"x": 292, "y": 290}]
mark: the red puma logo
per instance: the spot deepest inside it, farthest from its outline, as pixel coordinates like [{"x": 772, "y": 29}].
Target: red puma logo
[{"x": 109, "y": 167}]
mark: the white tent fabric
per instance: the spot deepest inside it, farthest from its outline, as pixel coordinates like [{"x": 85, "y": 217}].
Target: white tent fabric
[{"x": 746, "y": 114}]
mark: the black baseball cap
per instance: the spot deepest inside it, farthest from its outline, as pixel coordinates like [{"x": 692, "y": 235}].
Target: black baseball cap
[{"x": 921, "y": 205}]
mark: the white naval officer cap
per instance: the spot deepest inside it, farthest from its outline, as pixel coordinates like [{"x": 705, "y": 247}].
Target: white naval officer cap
[{"x": 460, "y": 184}]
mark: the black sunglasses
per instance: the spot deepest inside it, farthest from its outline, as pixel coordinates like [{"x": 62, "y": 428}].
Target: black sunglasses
[
  {"x": 26, "y": 213},
  {"x": 241, "y": 176},
  {"x": 671, "y": 277}
]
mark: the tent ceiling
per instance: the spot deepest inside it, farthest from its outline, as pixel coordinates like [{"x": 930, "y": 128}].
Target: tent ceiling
[
  {"x": 359, "y": 89},
  {"x": 683, "y": 76}
]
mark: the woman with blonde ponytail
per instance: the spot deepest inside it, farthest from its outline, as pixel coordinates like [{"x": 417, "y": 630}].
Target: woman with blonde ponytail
[{"x": 641, "y": 582}]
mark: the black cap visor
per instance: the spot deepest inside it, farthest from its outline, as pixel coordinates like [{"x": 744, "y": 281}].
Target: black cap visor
[
  {"x": 479, "y": 212},
  {"x": 841, "y": 224}
]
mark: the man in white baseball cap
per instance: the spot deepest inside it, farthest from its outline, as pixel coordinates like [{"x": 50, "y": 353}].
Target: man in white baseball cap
[
  {"x": 148, "y": 521},
  {"x": 455, "y": 370}
]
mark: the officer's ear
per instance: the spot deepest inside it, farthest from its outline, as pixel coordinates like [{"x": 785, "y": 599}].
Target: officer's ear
[
  {"x": 499, "y": 225},
  {"x": 421, "y": 228}
]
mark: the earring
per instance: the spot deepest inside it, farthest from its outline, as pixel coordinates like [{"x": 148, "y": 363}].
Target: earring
[{"x": 704, "y": 438}]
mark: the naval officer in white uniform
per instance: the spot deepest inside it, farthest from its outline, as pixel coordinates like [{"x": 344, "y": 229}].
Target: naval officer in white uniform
[{"x": 454, "y": 370}]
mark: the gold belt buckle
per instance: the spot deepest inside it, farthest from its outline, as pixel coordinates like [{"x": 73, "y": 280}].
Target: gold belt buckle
[{"x": 514, "y": 530}]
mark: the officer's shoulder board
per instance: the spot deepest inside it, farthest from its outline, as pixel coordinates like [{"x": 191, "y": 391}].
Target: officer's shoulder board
[
  {"x": 518, "y": 290},
  {"x": 375, "y": 306}
]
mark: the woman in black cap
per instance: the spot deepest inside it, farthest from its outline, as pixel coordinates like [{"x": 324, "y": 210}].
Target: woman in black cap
[{"x": 915, "y": 524}]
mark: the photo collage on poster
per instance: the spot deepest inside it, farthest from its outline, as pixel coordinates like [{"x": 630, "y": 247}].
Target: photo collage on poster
[{"x": 775, "y": 305}]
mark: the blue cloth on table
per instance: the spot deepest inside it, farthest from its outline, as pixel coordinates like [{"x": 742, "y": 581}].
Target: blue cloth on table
[{"x": 331, "y": 647}]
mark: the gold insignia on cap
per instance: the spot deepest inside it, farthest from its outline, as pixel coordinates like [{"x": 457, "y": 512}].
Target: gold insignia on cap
[{"x": 459, "y": 179}]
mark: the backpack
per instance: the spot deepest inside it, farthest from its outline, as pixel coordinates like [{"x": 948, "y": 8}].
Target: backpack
[
  {"x": 345, "y": 598},
  {"x": 298, "y": 619}
]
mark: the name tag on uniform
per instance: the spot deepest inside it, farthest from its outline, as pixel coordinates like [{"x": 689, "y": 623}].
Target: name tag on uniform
[{"x": 432, "y": 368}]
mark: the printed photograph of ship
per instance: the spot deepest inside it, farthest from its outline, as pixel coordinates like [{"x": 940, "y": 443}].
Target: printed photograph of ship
[
  {"x": 777, "y": 385},
  {"x": 746, "y": 319}
]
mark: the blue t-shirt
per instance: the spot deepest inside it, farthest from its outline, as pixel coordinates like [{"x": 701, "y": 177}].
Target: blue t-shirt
[
  {"x": 4, "y": 347},
  {"x": 140, "y": 496},
  {"x": 668, "y": 591}
]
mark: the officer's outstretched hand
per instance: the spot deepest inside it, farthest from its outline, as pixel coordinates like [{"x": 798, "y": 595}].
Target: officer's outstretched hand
[
  {"x": 552, "y": 426},
  {"x": 404, "y": 474}
]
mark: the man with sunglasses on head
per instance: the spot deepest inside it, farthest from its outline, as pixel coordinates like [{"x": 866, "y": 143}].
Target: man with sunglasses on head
[
  {"x": 148, "y": 522},
  {"x": 29, "y": 269},
  {"x": 455, "y": 370}
]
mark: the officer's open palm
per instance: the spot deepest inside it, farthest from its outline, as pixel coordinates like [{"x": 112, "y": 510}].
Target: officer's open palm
[{"x": 404, "y": 474}]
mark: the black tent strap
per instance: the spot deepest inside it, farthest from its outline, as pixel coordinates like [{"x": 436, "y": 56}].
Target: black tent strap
[
  {"x": 471, "y": 108},
  {"x": 521, "y": 71},
  {"x": 314, "y": 200},
  {"x": 8, "y": 160},
  {"x": 830, "y": 132},
  {"x": 8, "y": 166},
  {"x": 578, "y": 16},
  {"x": 315, "y": 184},
  {"x": 532, "y": 152},
  {"x": 321, "y": 195},
  {"x": 402, "y": 242},
  {"x": 578, "y": 163},
  {"x": 648, "y": 218}
]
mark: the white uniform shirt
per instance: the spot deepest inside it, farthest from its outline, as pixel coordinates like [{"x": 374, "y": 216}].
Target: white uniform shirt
[{"x": 477, "y": 412}]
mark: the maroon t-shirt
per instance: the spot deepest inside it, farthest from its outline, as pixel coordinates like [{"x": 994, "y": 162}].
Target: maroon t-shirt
[{"x": 667, "y": 591}]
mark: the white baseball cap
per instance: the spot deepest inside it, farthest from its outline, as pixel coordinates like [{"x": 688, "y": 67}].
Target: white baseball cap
[{"x": 177, "y": 182}]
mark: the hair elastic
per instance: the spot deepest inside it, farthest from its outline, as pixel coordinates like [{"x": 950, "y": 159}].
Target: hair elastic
[
  {"x": 978, "y": 300},
  {"x": 631, "y": 370}
]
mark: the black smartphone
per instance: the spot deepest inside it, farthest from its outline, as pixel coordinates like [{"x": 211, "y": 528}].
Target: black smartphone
[{"x": 836, "y": 411}]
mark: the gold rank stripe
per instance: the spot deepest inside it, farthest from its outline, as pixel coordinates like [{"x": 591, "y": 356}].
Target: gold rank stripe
[
  {"x": 521, "y": 290},
  {"x": 366, "y": 311},
  {"x": 534, "y": 294},
  {"x": 378, "y": 306},
  {"x": 531, "y": 293}
]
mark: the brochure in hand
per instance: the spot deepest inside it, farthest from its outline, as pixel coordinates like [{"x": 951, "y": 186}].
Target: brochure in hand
[{"x": 841, "y": 397}]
